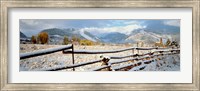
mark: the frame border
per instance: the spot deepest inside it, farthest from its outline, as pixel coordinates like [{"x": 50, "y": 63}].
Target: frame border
[{"x": 6, "y": 4}]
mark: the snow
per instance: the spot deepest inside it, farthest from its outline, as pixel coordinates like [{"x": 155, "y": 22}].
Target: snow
[
  {"x": 86, "y": 36},
  {"x": 167, "y": 63}
]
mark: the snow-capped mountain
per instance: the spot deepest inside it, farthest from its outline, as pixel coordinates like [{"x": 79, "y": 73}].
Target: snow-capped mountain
[
  {"x": 89, "y": 36},
  {"x": 148, "y": 37},
  {"x": 56, "y": 33},
  {"x": 142, "y": 35}
]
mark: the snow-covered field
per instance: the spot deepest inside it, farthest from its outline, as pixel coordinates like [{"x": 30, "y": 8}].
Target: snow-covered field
[{"x": 167, "y": 63}]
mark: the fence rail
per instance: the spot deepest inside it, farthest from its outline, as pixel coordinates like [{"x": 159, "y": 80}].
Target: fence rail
[
  {"x": 44, "y": 52},
  {"x": 137, "y": 63},
  {"x": 155, "y": 52},
  {"x": 110, "y": 51}
]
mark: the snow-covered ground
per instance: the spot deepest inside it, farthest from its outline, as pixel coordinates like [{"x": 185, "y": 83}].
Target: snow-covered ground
[{"x": 167, "y": 63}]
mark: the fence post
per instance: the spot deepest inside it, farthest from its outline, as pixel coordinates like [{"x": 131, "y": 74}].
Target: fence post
[
  {"x": 105, "y": 61},
  {"x": 133, "y": 52},
  {"x": 73, "y": 56},
  {"x": 137, "y": 47}
]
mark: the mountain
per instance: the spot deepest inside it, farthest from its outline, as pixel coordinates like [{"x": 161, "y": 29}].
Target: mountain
[
  {"x": 149, "y": 37},
  {"x": 142, "y": 35},
  {"x": 89, "y": 36},
  {"x": 22, "y": 35},
  {"x": 159, "y": 27},
  {"x": 113, "y": 37},
  {"x": 62, "y": 32},
  {"x": 57, "y": 34},
  {"x": 145, "y": 35}
]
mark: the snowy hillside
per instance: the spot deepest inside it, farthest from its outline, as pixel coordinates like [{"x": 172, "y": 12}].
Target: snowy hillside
[
  {"x": 88, "y": 36},
  {"x": 138, "y": 35},
  {"x": 57, "y": 35},
  {"x": 147, "y": 37}
]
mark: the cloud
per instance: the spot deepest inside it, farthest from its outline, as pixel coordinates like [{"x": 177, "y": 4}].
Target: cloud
[
  {"x": 122, "y": 29},
  {"x": 36, "y": 23},
  {"x": 175, "y": 23},
  {"x": 31, "y": 27},
  {"x": 132, "y": 22},
  {"x": 123, "y": 22}
]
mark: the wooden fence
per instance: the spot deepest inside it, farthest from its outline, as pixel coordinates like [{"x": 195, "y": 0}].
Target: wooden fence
[{"x": 136, "y": 61}]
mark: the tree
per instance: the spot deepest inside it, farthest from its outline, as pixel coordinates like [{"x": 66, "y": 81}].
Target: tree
[
  {"x": 33, "y": 39},
  {"x": 86, "y": 42},
  {"x": 43, "y": 37},
  {"x": 168, "y": 42},
  {"x": 65, "y": 40},
  {"x": 38, "y": 40}
]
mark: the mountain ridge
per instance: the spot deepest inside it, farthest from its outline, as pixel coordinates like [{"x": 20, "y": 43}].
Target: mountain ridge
[
  {"x": 22, "y": 35},
  {"x": 136, "y": 35},
  {"x": 70, "y": 32}
]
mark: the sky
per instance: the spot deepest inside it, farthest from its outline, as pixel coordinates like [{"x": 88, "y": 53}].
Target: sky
[{"x": 33, "y": 26}]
